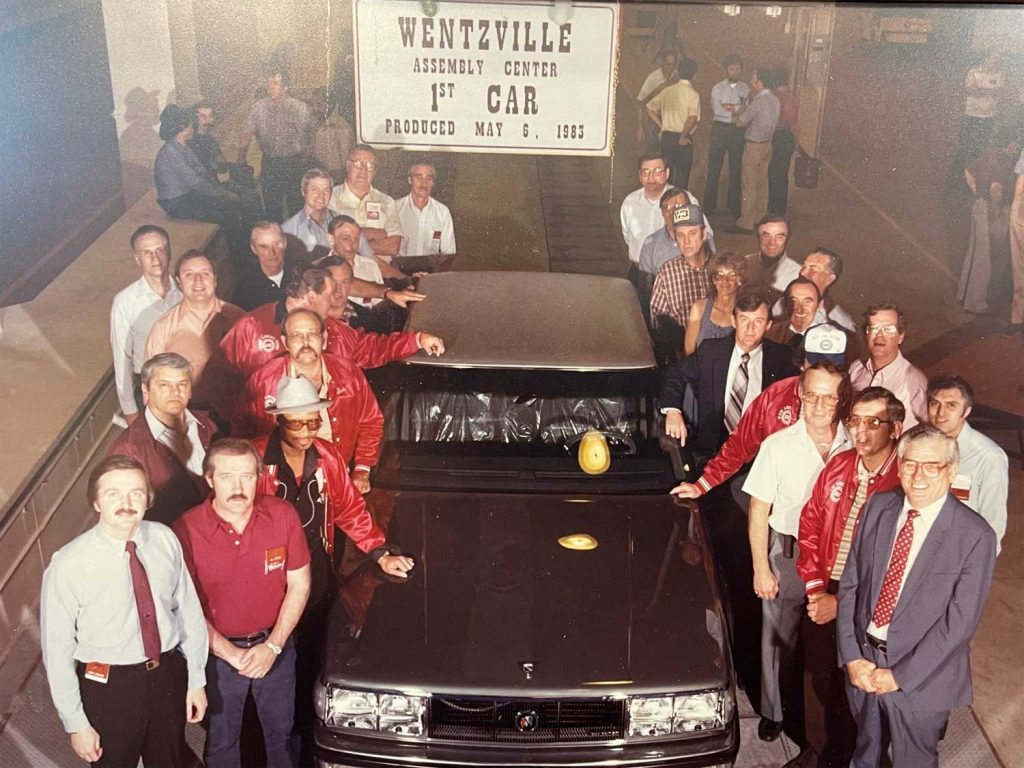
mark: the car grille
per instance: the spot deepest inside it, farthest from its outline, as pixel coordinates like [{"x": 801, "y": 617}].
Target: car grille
[{"x": 526, "y": 721}]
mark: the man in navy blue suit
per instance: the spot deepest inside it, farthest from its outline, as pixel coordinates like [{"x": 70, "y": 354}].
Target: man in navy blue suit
[{"x": 921, "y": 569}]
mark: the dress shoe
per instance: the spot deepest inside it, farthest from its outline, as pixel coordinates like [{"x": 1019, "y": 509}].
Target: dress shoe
[
  {"x": 808, "y": 758},
  {"x": 768, "y": 730}
]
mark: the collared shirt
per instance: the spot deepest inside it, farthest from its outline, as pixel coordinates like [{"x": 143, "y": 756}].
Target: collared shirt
[
  {"x": 675, "y": 105},
  {"x": 242, "y": 577},
  {"x": 282, "y": 128},
  {"x": 193, "y": 460},
  {"x": 178, "y": 171},
  {"x": 984, "y": 470},
  {"x": 640, "y": 218},
  {"x": 760, "y": 117},
  {"x": 784, "y": 471},
  {"x": 194, "y": 336},
  {"x": 88, "y": 611},
  {"x": 134, "y": 311},
  {"x": 984, "y": 104},
  {"x": 772, "y": 277},
  {"x": 366, "y": 268},
  {"x": 653, "y": 81},
  {"x": 375, "y": 209},
  {"x": 727, "y": 93},
  {"x": 428, "y": 231},
  {"x": 660, "y": 247},
  {"x": 922, "y": 525},
  {"x": 304, "y": 227},
  {"x": 676, "y": 287},
  {"x": 899, "y": 377},
  {"x": 753, "y": 375}
]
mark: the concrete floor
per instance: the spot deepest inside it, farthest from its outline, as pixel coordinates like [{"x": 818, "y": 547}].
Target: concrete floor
[{"x": 511, "y": 213}]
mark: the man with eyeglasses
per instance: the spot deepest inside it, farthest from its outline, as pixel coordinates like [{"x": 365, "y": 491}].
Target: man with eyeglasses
[
  {"x": 885, "y": 326},
  {"x": 828, "y": 523},
  {"x": 354, "y": 425},
  {"x": 305, "y": 471},
  {"x": 983, "y": 480},
  {"x": 771, "y": 269},
  {"x": 374, "y": 211},
  {"x": 640, "y": 214},
  {"x": 910, "y": 599},
  {"x": 780, "y": 483}
]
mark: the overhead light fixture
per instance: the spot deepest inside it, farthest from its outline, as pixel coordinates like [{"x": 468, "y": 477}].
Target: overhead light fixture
[
  {"x": 773, "y": 11},
  {"x": 580, "y": 542},
  {"x": 731, "y": 10}
]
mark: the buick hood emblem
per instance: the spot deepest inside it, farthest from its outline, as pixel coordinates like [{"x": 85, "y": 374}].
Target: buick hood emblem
[{"x": 527, "y": 667}]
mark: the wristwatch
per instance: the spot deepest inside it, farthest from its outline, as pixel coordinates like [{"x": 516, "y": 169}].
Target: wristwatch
[{"x": 273, "y": 647}]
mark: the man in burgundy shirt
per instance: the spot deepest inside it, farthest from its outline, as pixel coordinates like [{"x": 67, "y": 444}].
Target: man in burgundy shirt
[{"x": 248, "y": 557}]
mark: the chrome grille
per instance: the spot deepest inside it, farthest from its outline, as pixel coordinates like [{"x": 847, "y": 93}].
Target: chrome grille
[{"x": 501, "y": 721}]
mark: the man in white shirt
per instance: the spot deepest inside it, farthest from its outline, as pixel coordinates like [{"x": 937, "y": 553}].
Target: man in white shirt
[
  {"x": 664, "y": 76},
  {"x": 885, "y": 326},
  {"x": 373, "y": 210},
  {"x": 823, "y": 267},
  {"x": 983, "y": 480},
  {"x": 134, "y": 311},
  {"x": 426, "y": 224},
  {"x": 780, "y": 483},
  {"x": 640, "y": 213},
  {"x": 727, "y": 97}
]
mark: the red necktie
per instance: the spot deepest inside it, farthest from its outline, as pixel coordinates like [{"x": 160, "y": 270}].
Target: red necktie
[
  {"x": 144, "y": 602},
  {"x": 894, "y": 576}
]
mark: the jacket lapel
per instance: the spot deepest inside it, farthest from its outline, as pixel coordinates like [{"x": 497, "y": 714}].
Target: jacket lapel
[
  {"x": 927, "y": 557},
  {"x": 884, "y": 540}
]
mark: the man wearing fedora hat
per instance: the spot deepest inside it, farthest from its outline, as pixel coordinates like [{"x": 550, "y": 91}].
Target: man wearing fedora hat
[
  {"x": 305, "y": 470},
  {"x": 354, "y": 424}
]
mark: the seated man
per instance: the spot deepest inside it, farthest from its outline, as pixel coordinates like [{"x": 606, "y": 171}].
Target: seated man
[{"x": 262, "y": 280}]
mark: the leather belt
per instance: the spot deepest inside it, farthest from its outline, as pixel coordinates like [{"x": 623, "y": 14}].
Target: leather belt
[
  {"x": 248, "y": 641},
  {"x": 880, "y": 645}
]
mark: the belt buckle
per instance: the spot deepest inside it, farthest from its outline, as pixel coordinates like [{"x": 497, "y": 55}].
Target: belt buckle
[{"x": 152, "y": 664}]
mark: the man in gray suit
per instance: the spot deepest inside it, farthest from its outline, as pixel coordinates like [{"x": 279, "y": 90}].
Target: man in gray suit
[{"x": 921, "y": 570}]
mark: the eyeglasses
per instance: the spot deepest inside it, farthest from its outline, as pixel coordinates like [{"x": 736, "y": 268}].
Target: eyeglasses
[
  {"x": 909, "y": 467},
  {"x": 885, "y": 330},
  {"x": 652, "y": 172},
  {"x": 297, "y": 425},
  {"x": 725, "y": 276},
  {"x": 304, "y": 337},
  {"x": 363, "y": 165},
  {"x": 870, "y": 423},
  {"x": 812, "y": 399}
]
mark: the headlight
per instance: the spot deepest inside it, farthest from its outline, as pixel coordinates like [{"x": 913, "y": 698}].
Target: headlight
[
  {"x": 386, "y": 713},
  {"x": 656, "y": 716}
]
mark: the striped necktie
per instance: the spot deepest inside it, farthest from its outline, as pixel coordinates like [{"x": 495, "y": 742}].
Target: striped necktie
[{"x": 734, "y": 408}]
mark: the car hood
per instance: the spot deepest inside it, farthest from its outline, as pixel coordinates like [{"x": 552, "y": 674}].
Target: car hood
[{"x": 496, "y": 604}]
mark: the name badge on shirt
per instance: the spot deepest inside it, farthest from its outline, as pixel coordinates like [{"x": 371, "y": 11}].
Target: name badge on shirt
[
  {"x": 961, "y": 487},
  {"x": 274, "y": 559},
  {"x": 97, "y": 671},
  {"x": 373, "y": 212},
  {"x": 437, "y": 234}
]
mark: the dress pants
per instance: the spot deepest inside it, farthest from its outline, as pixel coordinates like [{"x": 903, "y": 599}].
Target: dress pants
[
  {"x": 1017, "y": 257},
  {"x": 756, "y": 157},
  {"x": 780, "y": 630},
  {"x": 280, "y": 183},
  {"x": 783, "y": 146},
  {"x": 829, "y": 724},
  {"x": 235, "y": 214},
  {"x": 679, "y": 158},
  {"x": 881, "y": 721},
  {"x": 139, "y": 713},
  {"x": 726, "y": 139},
  {"x": 226, "y": 691}
]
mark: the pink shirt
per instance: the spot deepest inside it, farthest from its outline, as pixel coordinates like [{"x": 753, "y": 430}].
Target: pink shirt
[{"x": 899, "y": 377}]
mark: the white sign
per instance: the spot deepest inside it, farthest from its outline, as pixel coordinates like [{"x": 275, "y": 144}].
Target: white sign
[{"x": 486, "y": 76}]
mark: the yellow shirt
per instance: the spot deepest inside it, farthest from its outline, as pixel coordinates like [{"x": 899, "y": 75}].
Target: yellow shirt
[{"x": 675, "y": 105}]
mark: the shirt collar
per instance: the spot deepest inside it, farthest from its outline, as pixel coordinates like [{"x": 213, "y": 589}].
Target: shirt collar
[
  {"x": 755, "y": 353},
  {"x": 929, "y": 511},
  {"x": 157, "y": 427}
]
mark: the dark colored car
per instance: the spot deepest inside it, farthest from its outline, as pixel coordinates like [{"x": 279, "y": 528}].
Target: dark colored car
[{"x": 554, "y": 617}]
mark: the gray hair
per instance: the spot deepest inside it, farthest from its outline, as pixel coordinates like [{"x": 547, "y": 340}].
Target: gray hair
[
  {"x": 165, "y": 360},
  {"x": 928, "y": 432}
]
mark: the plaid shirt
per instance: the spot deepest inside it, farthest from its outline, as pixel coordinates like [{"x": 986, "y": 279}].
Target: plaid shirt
[{"x": 676, "y": 287}]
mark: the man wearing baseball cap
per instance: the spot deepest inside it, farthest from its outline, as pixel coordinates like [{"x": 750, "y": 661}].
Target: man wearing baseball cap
[
  {"x": 684, "y": 279},
  {"x": 306, "y": 471}
]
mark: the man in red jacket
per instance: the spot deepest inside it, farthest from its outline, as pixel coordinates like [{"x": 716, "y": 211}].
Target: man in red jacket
[
  {"x": 828, "y": 524},
  {"x": 256, "y": 338},
  {"x": 305, "y": 471},
  {"x": 354, "y": 424}
]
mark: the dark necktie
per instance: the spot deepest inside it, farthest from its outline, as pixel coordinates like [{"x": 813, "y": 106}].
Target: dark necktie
[
  {"x": 890, "y": 593},
  {"x": 144, "y": 603},
  {"x": 734, "y": 408}
]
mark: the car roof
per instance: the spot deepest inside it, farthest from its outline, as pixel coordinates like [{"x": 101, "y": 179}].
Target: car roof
[{"x": 545, "y": 320}]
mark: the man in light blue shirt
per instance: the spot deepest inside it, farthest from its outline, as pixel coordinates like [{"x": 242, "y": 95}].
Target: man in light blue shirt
[
  {"x": 758, "y": 119},
  {"x": 726, "y": 138}
]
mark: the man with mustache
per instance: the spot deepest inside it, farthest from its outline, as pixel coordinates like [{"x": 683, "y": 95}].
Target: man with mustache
[
  {"x": 250, "y": 562},
  {"x": 885, "y": 326},
  {"x": 354, "y": 424},
  {"x": 122, "y": 630}
]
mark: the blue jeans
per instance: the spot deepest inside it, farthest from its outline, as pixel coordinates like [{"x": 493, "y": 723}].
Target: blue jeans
[{"x": 274, "y": 694}]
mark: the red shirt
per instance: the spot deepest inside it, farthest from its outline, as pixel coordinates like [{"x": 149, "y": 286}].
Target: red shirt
[{"x": 241, "y": 578}]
